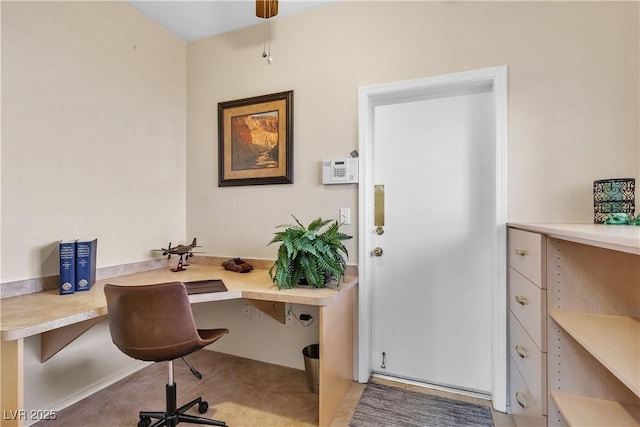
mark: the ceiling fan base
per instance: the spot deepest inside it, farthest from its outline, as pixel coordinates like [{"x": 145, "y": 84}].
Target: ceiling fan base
[{"x": 266, "y": 8}]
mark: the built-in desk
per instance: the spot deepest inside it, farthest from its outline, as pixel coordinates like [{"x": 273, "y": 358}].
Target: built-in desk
[{"x": 62, "y": 318}]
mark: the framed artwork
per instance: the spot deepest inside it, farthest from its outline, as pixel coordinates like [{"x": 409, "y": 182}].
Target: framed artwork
[{"x": 255, "y": 140}]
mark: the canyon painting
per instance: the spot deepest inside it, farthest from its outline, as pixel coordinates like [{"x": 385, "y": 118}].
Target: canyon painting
[{"x": 255, "y": 140}]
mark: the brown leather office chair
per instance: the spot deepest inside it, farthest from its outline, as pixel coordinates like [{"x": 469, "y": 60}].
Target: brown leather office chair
[{"x": 155, "y": 323}]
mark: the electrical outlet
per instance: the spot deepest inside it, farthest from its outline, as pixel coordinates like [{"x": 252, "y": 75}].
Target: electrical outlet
[
  {"x": 246, "y": 311},
  {"x": 259, "y": 315},
  {"x": 289, "y": 318}
]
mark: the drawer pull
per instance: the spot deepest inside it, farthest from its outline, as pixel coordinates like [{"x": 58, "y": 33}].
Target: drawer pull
[
  {"x": 521, "y": 351},
  {"x": 521, "y": 300},
  {"x": 520, "y": 395},
  {"x": 521, "y": 252}
]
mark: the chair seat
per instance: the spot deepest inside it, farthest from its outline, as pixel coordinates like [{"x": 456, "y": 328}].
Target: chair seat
[
  {"x": 209, "y": 336},
  {"x": 155, "y": 322},
  {"x": 174, "y": 351}
]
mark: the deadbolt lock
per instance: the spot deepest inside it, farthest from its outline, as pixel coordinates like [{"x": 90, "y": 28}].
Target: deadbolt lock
[
  {"x": 379, "y": 230},
  {"x": 377, "y": 251}
]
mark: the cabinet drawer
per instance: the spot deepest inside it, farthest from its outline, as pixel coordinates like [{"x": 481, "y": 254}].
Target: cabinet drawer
[
  {"x": 527, "y": 255},
  {"x": 529, "y": 304},
  {"x": 523, "y": 407},
  {"x": 530, "y": 361}
]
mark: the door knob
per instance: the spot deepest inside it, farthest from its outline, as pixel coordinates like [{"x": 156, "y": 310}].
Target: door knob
[{"x": 377, "y": 251}]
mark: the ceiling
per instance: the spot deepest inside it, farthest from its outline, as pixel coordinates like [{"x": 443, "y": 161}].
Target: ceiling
[{"x": 193, "y": 20}]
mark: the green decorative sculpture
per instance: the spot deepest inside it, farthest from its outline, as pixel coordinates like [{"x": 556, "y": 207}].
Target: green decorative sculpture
[{"x": 622, "y": 218}]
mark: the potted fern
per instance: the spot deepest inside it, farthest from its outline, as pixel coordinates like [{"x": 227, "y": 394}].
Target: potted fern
[{"x": 311, "y": 254}]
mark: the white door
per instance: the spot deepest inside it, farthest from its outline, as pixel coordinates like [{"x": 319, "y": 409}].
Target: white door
[{"x": 432, "y": 286}]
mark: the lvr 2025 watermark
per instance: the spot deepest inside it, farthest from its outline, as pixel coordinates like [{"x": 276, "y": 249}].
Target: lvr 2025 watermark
[{"x": 30, "y": 415}]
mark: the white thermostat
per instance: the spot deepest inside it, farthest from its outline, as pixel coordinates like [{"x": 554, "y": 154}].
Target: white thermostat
[{"x": 340, "y": 171}]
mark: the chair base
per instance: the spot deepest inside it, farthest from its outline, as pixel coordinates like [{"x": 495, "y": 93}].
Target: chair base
[{"x": 173, "y": 416}]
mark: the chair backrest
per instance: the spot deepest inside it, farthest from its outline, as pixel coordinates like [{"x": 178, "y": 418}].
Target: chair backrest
[{"x": 152, "y": 322}]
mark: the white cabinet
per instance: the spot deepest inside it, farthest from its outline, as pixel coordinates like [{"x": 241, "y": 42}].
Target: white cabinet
[
  {"x": 593, "y": 323},
  {"x": 527, "y": 327}
]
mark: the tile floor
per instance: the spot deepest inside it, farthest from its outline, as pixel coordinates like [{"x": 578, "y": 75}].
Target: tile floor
[{"x": 240, "y": 391}]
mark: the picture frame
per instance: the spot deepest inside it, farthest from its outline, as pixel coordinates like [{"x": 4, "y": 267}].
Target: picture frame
[{"x": 255, "y": 140}]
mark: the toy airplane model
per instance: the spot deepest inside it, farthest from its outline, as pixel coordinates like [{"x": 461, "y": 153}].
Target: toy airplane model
[{"x": 184, "y": 251}]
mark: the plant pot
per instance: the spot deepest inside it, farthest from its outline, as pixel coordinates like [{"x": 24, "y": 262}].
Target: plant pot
[{"x": 304, "y": 284}]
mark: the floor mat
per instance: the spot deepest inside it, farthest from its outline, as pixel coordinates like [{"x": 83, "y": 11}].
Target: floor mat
[{"x": 391, "y": 406}]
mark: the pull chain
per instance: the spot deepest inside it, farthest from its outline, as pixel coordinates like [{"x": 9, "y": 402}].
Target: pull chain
[
  {"x": 269, "y": 57},
  {"x": 264, "y": 31}
]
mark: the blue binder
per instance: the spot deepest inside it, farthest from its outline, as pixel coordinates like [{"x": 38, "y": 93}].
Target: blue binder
[
  {"x": 85, "y": 264},
  {"x": 67, "y": 267}
]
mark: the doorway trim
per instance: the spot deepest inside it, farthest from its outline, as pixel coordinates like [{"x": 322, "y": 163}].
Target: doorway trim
[{"x": 371, "y": 97}]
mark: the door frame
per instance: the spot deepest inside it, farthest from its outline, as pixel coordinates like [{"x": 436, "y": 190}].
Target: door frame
[{"x": 495, "y": 80}]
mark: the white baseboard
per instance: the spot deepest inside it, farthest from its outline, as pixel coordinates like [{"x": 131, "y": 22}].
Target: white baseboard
[{"x": 460, "y": 391}]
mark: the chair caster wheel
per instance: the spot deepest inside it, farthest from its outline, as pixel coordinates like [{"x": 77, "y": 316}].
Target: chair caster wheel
[
  {"x": 202, "y": 407},
  {"x": 144, "y": 422}
]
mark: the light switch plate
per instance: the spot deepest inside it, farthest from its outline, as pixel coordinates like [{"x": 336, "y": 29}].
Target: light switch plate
[{"x": 345, "y": 216}]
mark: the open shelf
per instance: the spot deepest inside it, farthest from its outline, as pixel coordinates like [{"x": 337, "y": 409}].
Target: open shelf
[
  {"x": 614, "y": 341},
  {"x": 581, "y": 410}
]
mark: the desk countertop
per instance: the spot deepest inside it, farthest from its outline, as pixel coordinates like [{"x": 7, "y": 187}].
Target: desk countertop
[
  {"x": 624, "y": 238},
  {"x": 32, "y": 314}
]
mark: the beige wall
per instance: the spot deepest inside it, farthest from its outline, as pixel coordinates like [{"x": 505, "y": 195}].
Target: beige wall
[
  {"x": 76, "y": 92},
  {"x": 93, "y": 133},
  {"x": 93, "y": 144},
  {"x": 573, "y": 102}
]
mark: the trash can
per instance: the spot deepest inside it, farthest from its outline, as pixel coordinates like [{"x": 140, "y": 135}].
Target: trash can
[{"x": 311, "y": 354}]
